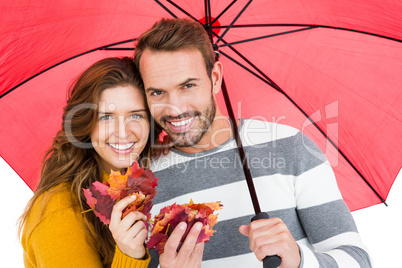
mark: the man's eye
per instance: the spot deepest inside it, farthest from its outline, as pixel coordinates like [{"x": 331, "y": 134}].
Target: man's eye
[
  {"x": 189, "y": 86},
  {"x": 156, "y": 93},
  {"x": 104, "y": 117}
]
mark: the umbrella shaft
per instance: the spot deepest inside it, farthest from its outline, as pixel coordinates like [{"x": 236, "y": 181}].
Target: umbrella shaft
[{"x": 243, "y": 158}]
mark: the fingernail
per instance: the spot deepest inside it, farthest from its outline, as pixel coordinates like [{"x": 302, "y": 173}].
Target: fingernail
[
  {"x": 198, "y": 226},
  {"x": 133, "y": 196},
  {"x": 182, "y": 225}
]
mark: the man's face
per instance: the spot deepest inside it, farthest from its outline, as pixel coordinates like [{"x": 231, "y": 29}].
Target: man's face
[{"x": 180, "y": 94}]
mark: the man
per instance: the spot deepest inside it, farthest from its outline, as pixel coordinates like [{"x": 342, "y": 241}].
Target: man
[{"x": 310, "y": 225}]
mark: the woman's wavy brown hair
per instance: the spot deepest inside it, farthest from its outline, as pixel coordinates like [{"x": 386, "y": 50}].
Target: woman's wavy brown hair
[{"x": 71, "y": 160}]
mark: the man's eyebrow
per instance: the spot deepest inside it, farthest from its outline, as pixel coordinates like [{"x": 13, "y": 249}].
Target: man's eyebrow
[
  {"x": 188, "y": 80},
  {"x": 152, "y": 89}
]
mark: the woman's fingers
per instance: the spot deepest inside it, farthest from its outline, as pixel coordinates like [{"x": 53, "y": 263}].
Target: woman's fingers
[
  {"x": 138, "y": 236},
  {"x": 135, "y": 229},
  {"x": 118, "y": 208},
  {"x": 130, "y": 219},
  {"x": 130, "y": 232}
]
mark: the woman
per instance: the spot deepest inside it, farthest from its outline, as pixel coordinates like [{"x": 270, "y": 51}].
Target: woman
[{"x": 105, "y": 127}]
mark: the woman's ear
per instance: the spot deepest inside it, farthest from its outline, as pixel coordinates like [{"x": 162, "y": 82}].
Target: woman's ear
[{"x": 216, "y": 76}]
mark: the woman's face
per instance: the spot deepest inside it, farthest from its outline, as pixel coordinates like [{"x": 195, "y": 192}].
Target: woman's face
[{"x": 122, "y": 129}]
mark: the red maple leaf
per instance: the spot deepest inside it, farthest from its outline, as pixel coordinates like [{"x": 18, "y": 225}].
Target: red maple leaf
[
  {"x": 101, "y": 197},
  {"x": 170, "y": 216},
  {"x": 142, "y": 180}
]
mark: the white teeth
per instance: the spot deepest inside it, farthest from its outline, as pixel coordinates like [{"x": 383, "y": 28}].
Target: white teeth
[
  {"x": 182, "y": 123},
  {"x": 122, "y": 146}
]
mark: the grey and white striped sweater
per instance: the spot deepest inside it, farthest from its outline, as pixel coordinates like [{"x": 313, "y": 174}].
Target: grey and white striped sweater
[{"x": 294, "y": 182}]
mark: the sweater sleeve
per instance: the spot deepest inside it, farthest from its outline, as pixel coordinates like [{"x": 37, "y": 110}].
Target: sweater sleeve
[
  {"x": 326, "y": 220},
  {"x": 59, "y": 240},
  {"x": 122, "y": 260}
]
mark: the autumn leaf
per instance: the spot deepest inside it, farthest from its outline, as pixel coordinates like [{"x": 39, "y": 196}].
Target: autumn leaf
[
  {"x": 142, "y": 180},
  {"x": 100, "y": 201},
  {"x": 117, "y": 183},
  {"x": 101, "y": 197},
  {"x": 170, "y": 216}
]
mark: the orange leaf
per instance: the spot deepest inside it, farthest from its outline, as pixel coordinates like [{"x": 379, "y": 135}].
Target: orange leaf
[{"x": 117, "y": 183}]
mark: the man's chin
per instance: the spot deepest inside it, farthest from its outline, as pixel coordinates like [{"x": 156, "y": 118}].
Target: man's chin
[{"x": 183, "y": 141}]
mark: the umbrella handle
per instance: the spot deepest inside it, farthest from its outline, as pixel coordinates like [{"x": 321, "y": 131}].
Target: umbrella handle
[{"x": 269, "y": 261}]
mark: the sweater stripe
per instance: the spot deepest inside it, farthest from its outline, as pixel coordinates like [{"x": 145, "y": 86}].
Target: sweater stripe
[
  {"x": 293, "y": 181},
  {"x": 358, "y": 254},
  {"x": 318, "y": 217},
  {"x": 326, "y": 261}
]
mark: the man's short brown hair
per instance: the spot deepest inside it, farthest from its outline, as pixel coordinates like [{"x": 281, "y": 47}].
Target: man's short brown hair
[{"x": 170, "y": 35}]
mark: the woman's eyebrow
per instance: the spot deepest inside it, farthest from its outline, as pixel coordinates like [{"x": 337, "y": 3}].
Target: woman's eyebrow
[
  {"x": 139, "y": 110},
  {"x": 132, "y": 111}
]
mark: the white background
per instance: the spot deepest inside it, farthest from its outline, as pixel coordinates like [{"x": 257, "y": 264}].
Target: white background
[{"x": 380, "y": 227}]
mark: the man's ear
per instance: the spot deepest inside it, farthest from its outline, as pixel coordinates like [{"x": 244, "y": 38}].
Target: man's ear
[{"x": 216, "y": 76}]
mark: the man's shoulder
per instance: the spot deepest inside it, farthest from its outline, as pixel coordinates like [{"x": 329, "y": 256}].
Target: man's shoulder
[
  {"x": 166, "y": 160},
  {"x": 254, "y": 131}
]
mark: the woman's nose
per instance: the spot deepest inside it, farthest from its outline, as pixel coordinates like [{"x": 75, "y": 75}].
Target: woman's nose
[{"x": 121, "y": 129}]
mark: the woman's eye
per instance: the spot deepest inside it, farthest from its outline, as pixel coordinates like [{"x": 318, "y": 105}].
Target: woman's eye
[
  {"x": 104, "y": 117},
  {"x": 137, "y": 116}
]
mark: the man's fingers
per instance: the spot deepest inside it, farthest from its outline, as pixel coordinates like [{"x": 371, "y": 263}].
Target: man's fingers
[
  {"x": 196, "y": 256},
  {"x": 190, "y": 241},
  {"x": 244, "y": 230},
  {"x": 118, "y": 208},
  {"x": 174, "y": 240},
  {"x": 265, "y": 223}
]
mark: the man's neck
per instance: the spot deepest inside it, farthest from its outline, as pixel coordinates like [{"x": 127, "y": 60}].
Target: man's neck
[{"x": 219, "y": 132}]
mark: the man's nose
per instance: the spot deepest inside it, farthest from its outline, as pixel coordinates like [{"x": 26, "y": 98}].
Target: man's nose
[{"x": 174, "y": 106}]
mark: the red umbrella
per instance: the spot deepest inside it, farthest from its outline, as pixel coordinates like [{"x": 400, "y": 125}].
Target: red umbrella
[{"x": 336, "y": 62}]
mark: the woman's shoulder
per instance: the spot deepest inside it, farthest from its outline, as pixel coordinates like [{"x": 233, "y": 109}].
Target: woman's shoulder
[
  {"x": 55, "y": 199},
  {"x": 58, "y": 200}
]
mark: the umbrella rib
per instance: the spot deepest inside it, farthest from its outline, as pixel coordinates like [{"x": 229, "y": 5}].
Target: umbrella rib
[
  {"x": 118, "y": 48},
  {"x": 181, "y": 9},
  {"x": 106, "y": 47},
  {"x": 208, "y": 15},
  {"x": 166, "y": 9},
  {"x": 246, "y": 68},
  {"x": 270, "y": 82},
  {"x": 235, "y": 19},
  {"x": 209, "y": 19},
  {"x": 275, "y": 86},
  {"x": 266, "y": 36},
  {"x": 224, "y": 11},
  {"x": 206, "y": 10},
  {"x": 307, "y": 25}
]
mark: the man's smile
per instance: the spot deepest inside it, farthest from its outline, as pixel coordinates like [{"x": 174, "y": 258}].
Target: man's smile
[{"x": 182, "y": 125}]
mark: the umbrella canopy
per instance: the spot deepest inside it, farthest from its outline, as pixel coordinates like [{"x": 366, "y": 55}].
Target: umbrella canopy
[{"x": 336, "y": 62}]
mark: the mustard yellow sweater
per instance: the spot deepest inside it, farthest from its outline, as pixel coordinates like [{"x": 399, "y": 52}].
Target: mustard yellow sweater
[{"x": 58, "y": 238}]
